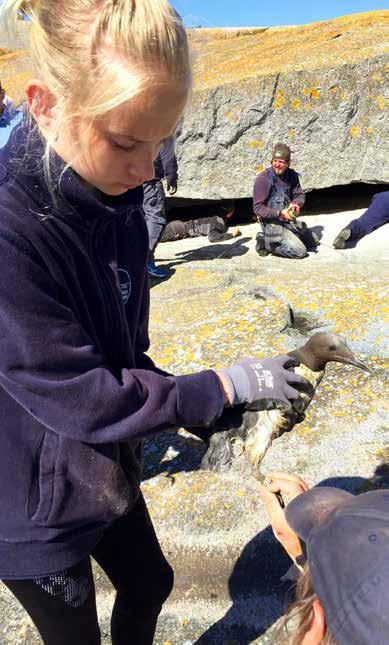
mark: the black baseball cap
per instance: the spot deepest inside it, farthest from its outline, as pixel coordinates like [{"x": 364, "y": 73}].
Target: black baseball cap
[{"x": 347, "y": 546}]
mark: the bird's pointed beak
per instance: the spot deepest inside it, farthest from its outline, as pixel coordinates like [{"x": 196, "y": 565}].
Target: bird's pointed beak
[{"x": 350, "y": 359}]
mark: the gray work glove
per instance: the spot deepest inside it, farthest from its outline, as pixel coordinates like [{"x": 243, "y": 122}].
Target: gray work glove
[{"x": 252, "y": 380}]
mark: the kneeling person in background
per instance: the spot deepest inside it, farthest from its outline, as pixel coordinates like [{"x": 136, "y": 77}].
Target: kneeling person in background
[{"x": 278, "y": 199}]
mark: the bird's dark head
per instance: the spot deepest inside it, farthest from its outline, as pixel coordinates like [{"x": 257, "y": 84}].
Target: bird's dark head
[{"x": 324, "y": 347}]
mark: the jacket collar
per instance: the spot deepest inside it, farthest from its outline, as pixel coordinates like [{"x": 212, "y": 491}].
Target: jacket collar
[{"x": 67, "y": 196}]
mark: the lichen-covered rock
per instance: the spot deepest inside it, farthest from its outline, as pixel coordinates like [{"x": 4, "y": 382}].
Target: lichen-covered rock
[{"x": 320, "y": 88}]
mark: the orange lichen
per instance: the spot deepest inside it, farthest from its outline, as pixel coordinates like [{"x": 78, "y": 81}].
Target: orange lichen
[
  {"x": 279, "y": 99},
  {"x": 256, "y": 145},
  {"x": 230, "y": 56}
]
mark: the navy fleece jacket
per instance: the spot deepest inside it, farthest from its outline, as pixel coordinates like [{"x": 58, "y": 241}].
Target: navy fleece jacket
[{"x": 77, "y": 390}]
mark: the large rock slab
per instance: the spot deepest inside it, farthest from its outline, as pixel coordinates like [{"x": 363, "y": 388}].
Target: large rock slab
[{"x": 319, "y": 87}]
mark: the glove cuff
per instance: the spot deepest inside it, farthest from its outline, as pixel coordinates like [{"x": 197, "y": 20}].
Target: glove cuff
[{"x": 239, "y": 382}]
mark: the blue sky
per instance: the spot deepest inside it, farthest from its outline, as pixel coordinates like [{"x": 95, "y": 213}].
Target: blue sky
[{"x": 248, "y": 13}]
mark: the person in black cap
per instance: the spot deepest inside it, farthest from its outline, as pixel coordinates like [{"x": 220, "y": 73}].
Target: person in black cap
[
  {"x": 278, "y": 200},
  {"x": 343, "y": 590}
]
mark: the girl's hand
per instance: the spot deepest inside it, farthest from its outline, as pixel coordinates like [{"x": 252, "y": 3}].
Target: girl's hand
[
  {"x": 288, "y": 485},
  {"x": 252, "y": 380}
]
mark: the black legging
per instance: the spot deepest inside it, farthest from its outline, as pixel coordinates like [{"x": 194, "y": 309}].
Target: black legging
[{"x": 63, "y": 605}]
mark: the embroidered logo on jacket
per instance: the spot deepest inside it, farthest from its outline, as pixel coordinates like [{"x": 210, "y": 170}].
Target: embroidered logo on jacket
[{"x": 125, "y": 284}]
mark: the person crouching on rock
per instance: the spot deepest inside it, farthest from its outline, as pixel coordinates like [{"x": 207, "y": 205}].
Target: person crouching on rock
[
  {"x": 214, "y": 227},
  {"x": 340, "y": 543},
  {"x": 78, "y": 392},
  {"x": 278, "y": 199}
]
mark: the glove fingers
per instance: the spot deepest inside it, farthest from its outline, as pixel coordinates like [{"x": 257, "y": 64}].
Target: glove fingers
[
  {"x": 300, "y": 383},
  {"x": 290, "y": 392},
  {"x": 292, "y": 377}
]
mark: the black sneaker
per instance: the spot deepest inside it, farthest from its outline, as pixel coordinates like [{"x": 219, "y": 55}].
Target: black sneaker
[
  {"x": 341, "y": 239},
  {"x": 260, "y": 245}
]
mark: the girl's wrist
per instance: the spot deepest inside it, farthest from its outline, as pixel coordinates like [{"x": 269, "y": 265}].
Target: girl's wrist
[{"x": 225, "y": 386}]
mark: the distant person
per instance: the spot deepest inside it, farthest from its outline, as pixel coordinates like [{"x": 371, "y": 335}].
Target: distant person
[
  {"x": 9, "y": 116},
  {"x": 278, "y": 200},
  {"x": 215, "y": 227},
  {"x": 7, "y": 107},
  {"x": 376, "y": 215},
  {"x": 342, "y": 594},
  {"x": 165, "y": 167}
]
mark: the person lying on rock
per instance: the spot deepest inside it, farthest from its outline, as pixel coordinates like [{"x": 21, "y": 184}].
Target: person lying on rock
[
  {"x": 340, "y": 544},
  {"x": 278, "y": 200},
  {"x": 78, "y": 391},
  {"x": 215, "y": 227},
  {"x": 376, "y": 215}
]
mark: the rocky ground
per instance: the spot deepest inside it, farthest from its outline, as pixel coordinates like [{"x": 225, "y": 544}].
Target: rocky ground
[{"x": 219, "y": 303}]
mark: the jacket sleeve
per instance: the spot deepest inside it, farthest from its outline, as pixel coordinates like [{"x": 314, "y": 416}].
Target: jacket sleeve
[
  {"x": 262, "y": 187},
  {"x": 297, "y": 192},
  {"x": 169, "y": 161},
  {"x": 51, "y": 367}
]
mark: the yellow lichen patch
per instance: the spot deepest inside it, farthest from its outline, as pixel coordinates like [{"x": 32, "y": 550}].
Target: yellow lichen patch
[
  {"x": 256, "y": 144},
  {"x": 312, "y": 92},
  {"x": 369, "y": 130},
  {"x": 381, "y": 102},
  {"x": 291, "y": 133},
  {"x": 228, "y": 116},
  {"x": 227, "y": 295},
  {"x": 383, "y": 453},
  {"x": 334, "y": 89},
  {"x": 296, "y": 104},
  {"x": 308, "y": 106},
  {"x": 259, "y": 168},
  {"x": 279, "y": 99},
  {"x": 355, "y": 131}
]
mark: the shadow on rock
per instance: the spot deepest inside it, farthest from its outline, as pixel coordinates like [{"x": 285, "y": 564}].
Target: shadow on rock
[
  {"x": 214, "y": 251},
  {"x": 317, "y": 230},
  {"x": 168, "y": 453},
  {"x": 170, "y": 271},
  {"x": 259, "y": 596}
]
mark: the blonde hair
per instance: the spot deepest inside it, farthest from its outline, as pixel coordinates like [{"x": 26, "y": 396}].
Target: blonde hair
[
  {"x": 299, "y": 616},
  {"x": 94, "y": 55}
]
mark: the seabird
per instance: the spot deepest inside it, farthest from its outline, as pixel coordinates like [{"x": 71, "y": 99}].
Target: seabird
[{"x": 240, "y": 432}]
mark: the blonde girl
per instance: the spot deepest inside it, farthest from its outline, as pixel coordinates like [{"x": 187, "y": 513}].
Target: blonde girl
[{"x": 77, "y": 389}]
